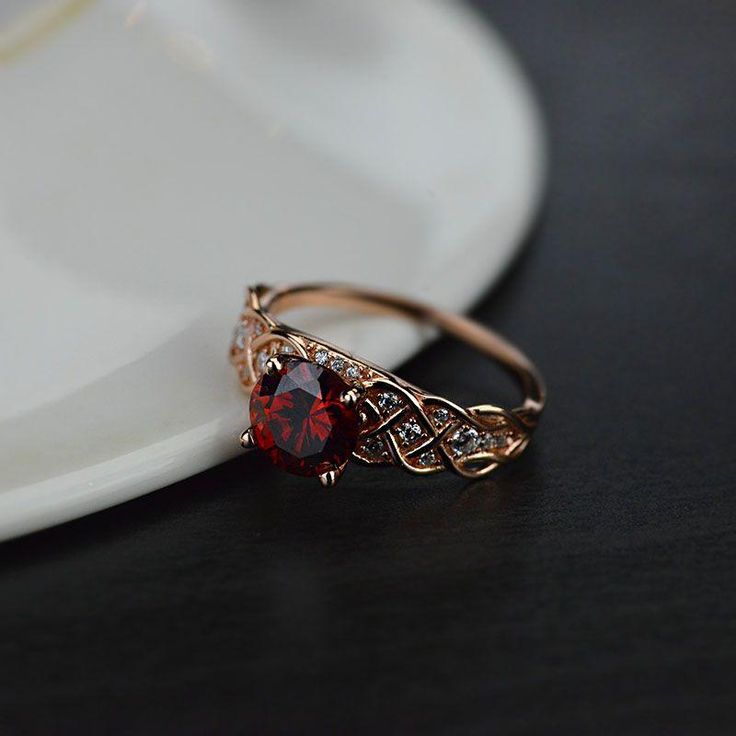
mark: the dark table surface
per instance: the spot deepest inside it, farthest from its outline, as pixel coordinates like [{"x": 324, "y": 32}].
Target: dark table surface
[{"x": 589, "y": 588}]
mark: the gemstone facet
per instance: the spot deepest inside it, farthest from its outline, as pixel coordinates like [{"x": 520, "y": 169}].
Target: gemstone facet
[{"x": 299, "y": 420}]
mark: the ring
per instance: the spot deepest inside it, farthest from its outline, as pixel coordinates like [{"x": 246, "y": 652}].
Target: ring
[{"x": 315, "y": 406}]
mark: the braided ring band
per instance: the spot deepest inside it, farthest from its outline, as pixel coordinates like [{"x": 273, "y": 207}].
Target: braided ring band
[{"x": 314, "y": 406}]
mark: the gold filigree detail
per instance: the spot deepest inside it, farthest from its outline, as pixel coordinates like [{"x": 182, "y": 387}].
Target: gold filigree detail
[{"x": 401, "y": 425}]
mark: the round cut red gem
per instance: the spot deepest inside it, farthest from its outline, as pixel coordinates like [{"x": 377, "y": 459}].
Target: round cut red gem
[{"x": 299, "y": 421}]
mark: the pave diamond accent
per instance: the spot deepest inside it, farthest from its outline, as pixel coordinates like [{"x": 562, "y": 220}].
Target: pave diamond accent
[
  {"x": 409, "y": 432},
  {"x": 388, "y": 402},
  {"x": 441, "y": 415},
  {"x": 261, "y": 360},
  {"x": 427, "y": 459},
  {"x": 321, "y": 357},
  {"x": 465, "y": 441},
  {"x": 374, "y": 446},
  {"x": 353, "y": 371},
  {"x": 338, "y": 364},
  {"x": 490, "y": 441},
  {"x": 240, "y": 335}
]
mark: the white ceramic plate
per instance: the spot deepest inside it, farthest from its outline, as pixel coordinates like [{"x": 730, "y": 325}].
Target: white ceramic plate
[{"x": 158, "y": 156}]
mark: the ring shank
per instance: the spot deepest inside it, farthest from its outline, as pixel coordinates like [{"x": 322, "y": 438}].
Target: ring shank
[{"x": 280, "y": 299}]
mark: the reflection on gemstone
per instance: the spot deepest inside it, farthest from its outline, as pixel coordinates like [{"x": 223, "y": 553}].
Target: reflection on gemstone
[
  {"x": 240, "y": 335},
  {"x": 409, "y": 432},
  {"x": 491, "y": 441},
  {"x": 388, "y": 402},
  {"x": 299, "y": 420},
  {"x": 261, "y": 360},
  {"x": 441, "y": 415},
  {"x": 464, "y": 441},
  {"x": 374, "y": 446},
  {"x": 427, "y": 459}
]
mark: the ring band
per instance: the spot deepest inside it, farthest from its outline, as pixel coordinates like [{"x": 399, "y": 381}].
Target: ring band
[{"x": 314, "y": 406}]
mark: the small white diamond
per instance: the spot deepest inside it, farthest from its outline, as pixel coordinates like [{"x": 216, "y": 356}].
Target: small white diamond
[
  {"x": 261, "y": 360},
  {"x": 321, "y": 356},
  {"x": 337, "y": 364},
  {"x": 240, "y": 335},
  {"x": 464, "y": 441},
  {"x": 409, "y": 432},
  {"x": 374, "y": 446},
  {"x": 491, "y": 441},
  {"x": 388, "y": 402},
  {"x": 427, "y": 459},
  {"x": 441, "y": 415},
  {"x": 286, "y": 349},
  {"x": 353, "y": 371}
]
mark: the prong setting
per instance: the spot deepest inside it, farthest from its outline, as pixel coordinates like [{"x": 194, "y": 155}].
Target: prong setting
[
  {"x": 247, "y": 440},
  {"x": 329, "y": 478},
  {"x": 273, "y": 365},
  {"x": 350, "y": 397}
]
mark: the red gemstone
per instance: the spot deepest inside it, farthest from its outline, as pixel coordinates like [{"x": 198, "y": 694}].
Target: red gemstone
[{"x": 299, "y": 421}]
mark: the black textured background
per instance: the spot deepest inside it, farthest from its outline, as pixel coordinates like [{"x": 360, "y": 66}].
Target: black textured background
[{"x": 589, "y": 589}]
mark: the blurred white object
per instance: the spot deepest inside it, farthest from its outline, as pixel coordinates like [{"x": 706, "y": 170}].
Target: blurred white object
[{"x": 157, "y": 156}]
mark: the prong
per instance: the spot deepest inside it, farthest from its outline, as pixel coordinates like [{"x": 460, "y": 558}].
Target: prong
[
  {"x": 330, "y": 477},
  {"x": 350, "y": 397},
  {"x": 273, "y": 365},
  {"x": 253, "y": 298},
  {"x": 247, "y": 441}
]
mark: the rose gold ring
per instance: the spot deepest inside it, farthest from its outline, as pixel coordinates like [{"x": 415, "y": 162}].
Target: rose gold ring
[{"x": 315, "y": 406}]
